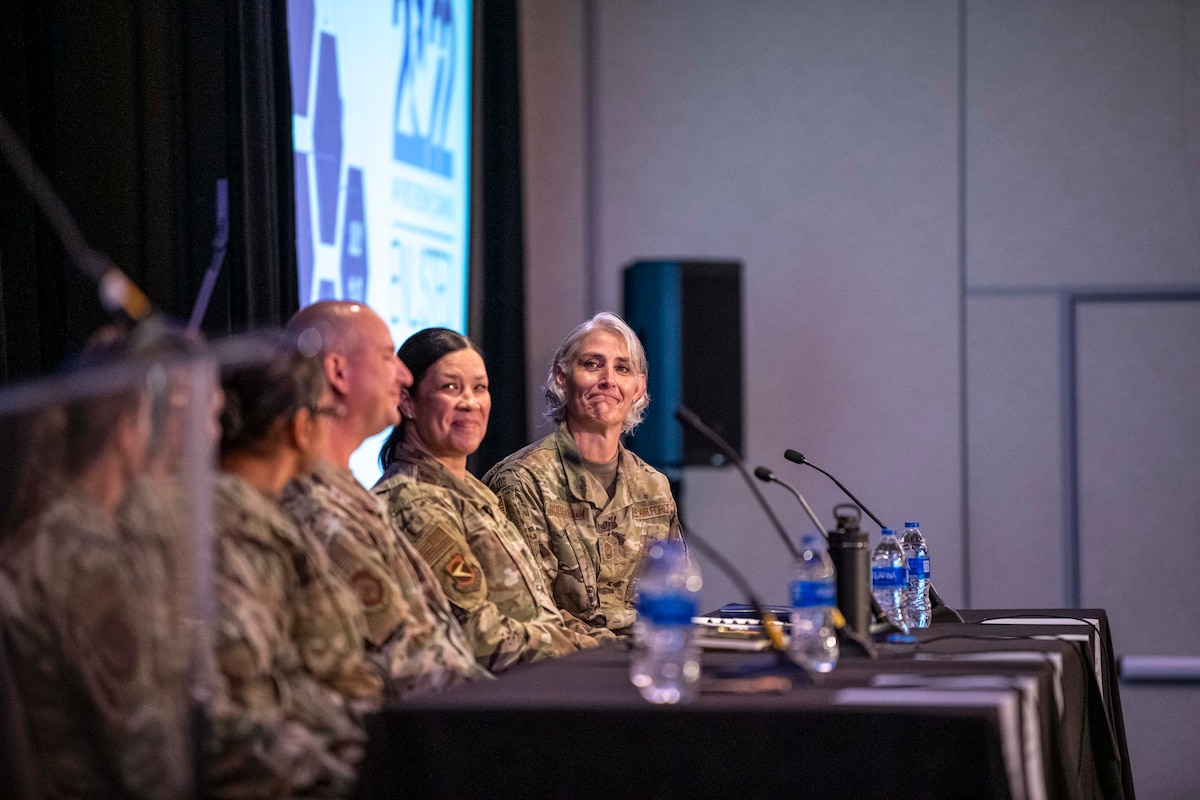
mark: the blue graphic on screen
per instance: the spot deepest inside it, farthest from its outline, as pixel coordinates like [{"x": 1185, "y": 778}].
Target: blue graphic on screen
[
  {"x": 354, "y": 242},
  {"x": 381, "y": 102},
  {"x": 304, "y": 229},
  {"x": 327, "y": 138},
  {"x": 425, "y": 87},
  {"x": 300, "y": 36}
]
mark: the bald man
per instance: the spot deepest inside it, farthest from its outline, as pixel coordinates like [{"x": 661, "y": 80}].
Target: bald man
[{"x": 413, "y": 637}]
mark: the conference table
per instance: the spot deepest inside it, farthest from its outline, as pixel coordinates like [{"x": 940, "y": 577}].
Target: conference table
[{"x": 1007, "y": 704}]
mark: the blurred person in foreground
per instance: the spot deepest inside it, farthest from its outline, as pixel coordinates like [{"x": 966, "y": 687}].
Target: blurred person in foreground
[
  {"x": 412, "y": 634},
  {"x": 585, "y": 504},
  {"x": 98, "y": 661},
  {"x": 289, "y": 631},
  {"x": 457, "y": 524}
]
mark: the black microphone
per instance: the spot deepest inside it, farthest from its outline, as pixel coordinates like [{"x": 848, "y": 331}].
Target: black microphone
[
  {"x": 767, "y": 476},
  {"x": 935, "y": 599},
  {"x": 772, "y": 629},
  {"x": 688, "y": 418},
  {"x": 771, "y": 626},
  {"x": 798, "y": 458},
  {"x": 117, "y": 292},
  {"x": 848, "y": 593}
]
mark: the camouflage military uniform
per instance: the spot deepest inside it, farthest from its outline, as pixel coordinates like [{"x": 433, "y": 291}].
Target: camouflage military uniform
[
  {"x": 290, "y": 650},
  {"x": 100, "y": 677},
  {"x": 589, "y": 545},
  {"x": 412, "y": 635},
  {"x": 486, "y": 568}
]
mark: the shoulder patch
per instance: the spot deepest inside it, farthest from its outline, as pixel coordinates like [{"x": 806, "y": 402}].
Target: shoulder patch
[
  {"x": 463, "y": 573},
  {"x": 368, "y": 588},
  {"x": 108, "y": 630},
  {"x": 435, "y": 544}
]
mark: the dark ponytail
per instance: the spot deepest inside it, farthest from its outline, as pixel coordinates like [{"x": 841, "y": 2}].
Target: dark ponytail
[{"x": 260, "y": 393}]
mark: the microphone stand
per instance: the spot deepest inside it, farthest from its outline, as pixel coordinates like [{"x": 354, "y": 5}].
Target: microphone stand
[
  {"x": 851, "y": 640},
  {"x": 688, "y": 418},
  {"x": 935, "y": 600},
  {"x": 772, "y": 628},
  {"x": 781, "y": 660},
  {"x": 767, "y": 476}
]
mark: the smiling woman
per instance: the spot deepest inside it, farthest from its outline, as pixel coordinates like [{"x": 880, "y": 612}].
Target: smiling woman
[
  {"x": 584, "y": 503},
  {"x": 456, "y": 523}
]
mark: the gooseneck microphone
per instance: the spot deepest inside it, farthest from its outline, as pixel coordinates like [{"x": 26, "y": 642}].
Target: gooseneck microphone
[
  {"x": 117, "y": 292},
  {"x": 685, "y": 416},
  {"x": 688, "y": 418},
  {"x": 798, "y": 458},
  {"x": 770, "y": 629},
  {"x": 935, "y": 599},
  {"x": 767, "y": 476},
  {"x": 850, "y": 597}
]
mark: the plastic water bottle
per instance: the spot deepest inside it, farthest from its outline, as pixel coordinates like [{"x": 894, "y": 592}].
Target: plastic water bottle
[
  {"x": 666, "y": 663},
  {"x": 916, "y": 553},
  {"x": 889, "y": 578},
  {"x": 814, "y": 642}
]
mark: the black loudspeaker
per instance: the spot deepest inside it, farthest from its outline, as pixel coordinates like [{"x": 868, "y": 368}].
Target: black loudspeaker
[{"x": 688, "y": 315}]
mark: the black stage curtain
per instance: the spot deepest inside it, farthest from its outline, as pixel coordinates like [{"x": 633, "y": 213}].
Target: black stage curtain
[
  {"x": 135, "y": 109},
  {"x": 503, "y": 245}
]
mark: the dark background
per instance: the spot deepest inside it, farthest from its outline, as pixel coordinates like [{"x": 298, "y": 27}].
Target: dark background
[{"x": 135, "y": 109}]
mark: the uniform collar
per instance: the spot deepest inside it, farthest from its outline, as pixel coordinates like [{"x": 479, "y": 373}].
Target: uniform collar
[
  {"x": 421, "y": 466},
  {"x": 240, "y": 495},
  {"x": 581, "y": 484}
]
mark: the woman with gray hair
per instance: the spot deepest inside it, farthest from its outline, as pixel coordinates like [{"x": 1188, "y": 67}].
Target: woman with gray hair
[{"x": 585, "y": 503}]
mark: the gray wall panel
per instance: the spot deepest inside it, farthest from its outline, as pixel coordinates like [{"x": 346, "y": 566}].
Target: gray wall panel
[
  {"x": 1081, "y": 132},
  {"x": 816, "y": 143},
  {"x": 1160, "y": 724},
  {"x": 1014, "y": 441},
  {"x": 554, "y": 168},
  {"x": 1139, "y": 469}
]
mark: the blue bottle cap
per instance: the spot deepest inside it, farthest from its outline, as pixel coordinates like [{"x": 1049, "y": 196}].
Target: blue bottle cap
[
  {"x": 912, "y": 524},
  {"x": 887, "y": 532}
]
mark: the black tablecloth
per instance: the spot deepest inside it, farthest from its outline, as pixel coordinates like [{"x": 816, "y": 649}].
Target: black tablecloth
[{"x": 575, "y": 727}]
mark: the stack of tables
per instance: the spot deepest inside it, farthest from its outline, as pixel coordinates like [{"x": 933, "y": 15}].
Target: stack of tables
[{"x": 1025, "y": 709}]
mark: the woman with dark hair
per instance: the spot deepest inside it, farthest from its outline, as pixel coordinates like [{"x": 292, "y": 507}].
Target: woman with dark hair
[
  {"x": 455, "y": 521},
  {"x": 289, "y": 632},
  {"x": 585, "y": 504}
]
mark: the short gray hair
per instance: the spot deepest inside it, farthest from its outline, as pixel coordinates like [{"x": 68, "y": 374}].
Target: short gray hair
[{"x": 556, "y": 398}]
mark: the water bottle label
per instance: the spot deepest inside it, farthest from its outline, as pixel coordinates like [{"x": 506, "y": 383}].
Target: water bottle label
[
  {"x": 889, "y": 577},
  {"x": 667, "y": 609},
  {"x": 812, "y": 594},
  {"x": 918, "y": 567}
]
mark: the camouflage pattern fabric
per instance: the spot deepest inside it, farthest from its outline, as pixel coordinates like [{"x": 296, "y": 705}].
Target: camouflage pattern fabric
[
  {"x": 483, "y": 563},
  {"x": 289, "y": 646},
  {"x": 412, "y": 635},
  {"x": 99, "y": 669},
  {"x": 589, "y": 545}
]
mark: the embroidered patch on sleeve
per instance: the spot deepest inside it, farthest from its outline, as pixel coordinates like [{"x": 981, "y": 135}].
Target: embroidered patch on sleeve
[
  {"x": 368, "y": 588},
  {"x": 463, "y": 573},
  {"x": 656, "y": 510}
]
